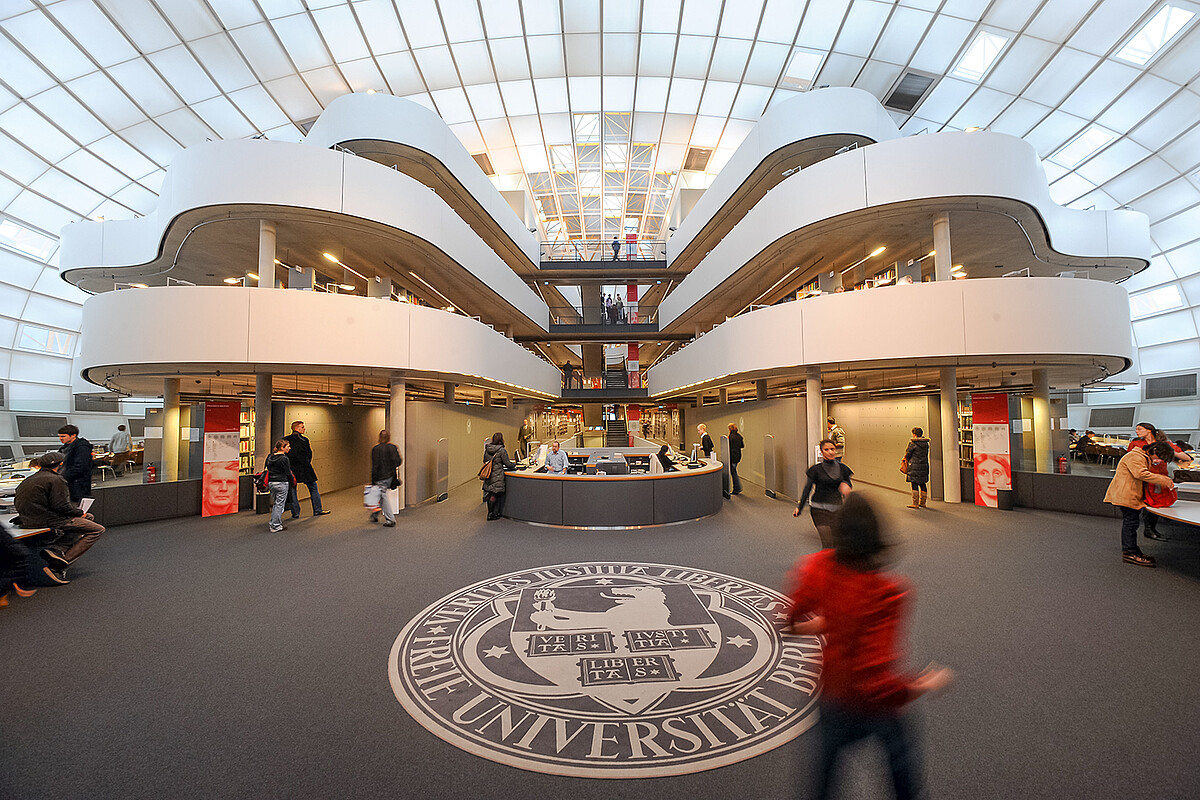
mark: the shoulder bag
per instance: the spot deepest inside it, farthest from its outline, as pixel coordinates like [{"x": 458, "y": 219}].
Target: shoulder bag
[
  {"x": 485, "y": 471},
  {"x": 904, "y": 465}
]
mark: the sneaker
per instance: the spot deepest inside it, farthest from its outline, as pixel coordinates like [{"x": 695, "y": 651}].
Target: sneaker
[
  {"x": 389, "y": 524},
  {"x": 1141, "y": 559},
  {"x": 56, "y": 558},
  {"x": 321, "y": 513},
  {"x": 58, "y": 576},
  {"x": 24, "y": 592}
]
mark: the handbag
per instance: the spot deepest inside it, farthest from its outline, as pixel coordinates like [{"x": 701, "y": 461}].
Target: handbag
[
  {"x": 485, "y": 471},
  {"x": 904, "y": 465},
  {"x": 371, "y": 498},
  {"x": 396, "y": 480},
  {"x": 1160, "y": 496}
]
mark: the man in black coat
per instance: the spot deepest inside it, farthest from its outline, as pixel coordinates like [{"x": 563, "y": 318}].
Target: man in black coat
[
  {"x": 301, "y": 457},
  {"x": 736, "y": 443},
  {"x": 77, "y": 462}
]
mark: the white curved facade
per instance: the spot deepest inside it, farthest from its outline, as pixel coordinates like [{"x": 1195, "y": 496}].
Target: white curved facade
[
  {"x": 355, "y": 117},
  {"x": 249, "y": 331},
  {"x": 265, "y": 175},
  {"x": 950, "y": 167},
  {"x": 943, "y": 323}
]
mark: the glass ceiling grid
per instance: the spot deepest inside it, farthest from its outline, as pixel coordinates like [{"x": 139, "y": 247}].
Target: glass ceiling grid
[{"x": 146, "y": 83}]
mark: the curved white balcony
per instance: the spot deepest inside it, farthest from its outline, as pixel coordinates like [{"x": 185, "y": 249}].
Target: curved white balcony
[
  {"x": 1079, "y": 330},
  {"x": 214, "y": 194},
  {"x": 796, "y": 133},
  {"x": 992, "y": 184},
  {"x": 395, "y": 131},
  {"x": 244, "y": 331}
]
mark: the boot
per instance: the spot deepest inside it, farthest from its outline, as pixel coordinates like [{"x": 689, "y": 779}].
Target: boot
[
  {"x": 916, "y": 501},
  {"x": 923, "y": 499}
]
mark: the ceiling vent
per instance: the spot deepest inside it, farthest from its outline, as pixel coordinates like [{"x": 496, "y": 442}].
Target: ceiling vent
[
  {"x": 697, "y": 159},
  {"x": 306, "y": 124},
  {"x": 1120, "y": 417},
  {"x": 1171, "y": 386},
  {"x": 484, "y": 163},
  {"x": 909, "y": 91}
]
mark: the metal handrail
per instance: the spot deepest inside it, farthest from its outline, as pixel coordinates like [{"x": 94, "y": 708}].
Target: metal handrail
[{"x": 601, "y": 250}]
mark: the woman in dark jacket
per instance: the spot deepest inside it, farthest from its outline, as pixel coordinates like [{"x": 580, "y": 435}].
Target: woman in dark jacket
[
  {"x": 917, "y": 456},
  {"x": 494, "y": 486},
  {"x": 829, "y": 484},
  {"x": 279, "y": 482}
]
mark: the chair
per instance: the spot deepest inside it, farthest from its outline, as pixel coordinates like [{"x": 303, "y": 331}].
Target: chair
[{"x": 103, "y": 467}]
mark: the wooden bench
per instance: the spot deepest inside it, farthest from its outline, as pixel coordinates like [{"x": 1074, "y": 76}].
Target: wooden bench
[{"x": 20, "y": 533}]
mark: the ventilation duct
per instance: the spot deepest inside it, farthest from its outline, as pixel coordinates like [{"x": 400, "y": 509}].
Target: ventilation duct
[
  {"x": 909, "y": 91},
  {"x": 1170, "y": 386}
]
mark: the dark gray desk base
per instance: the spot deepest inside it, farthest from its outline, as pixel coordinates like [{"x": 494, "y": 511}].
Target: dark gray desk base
[{"x": 617, "y": 502}]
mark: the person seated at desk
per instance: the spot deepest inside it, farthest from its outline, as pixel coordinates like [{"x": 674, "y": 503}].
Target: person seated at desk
[
  {"x": 43, "y": 501},
  {"x": 556, "y": 460},
  {"x": 664, "y": 458}
]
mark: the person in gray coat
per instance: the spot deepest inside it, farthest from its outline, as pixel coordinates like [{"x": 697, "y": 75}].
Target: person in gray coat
[
  {"x": 917, "y": 456},
  {"x": 494, "y": 486}
]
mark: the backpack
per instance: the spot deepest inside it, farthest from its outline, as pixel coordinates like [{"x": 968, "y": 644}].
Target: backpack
[{"x": 260, "y": 482}]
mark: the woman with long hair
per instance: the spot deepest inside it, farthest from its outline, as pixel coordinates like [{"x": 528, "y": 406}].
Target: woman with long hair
[
  {"x": 494, "y": 486},
  {"x": 1148, "y": 434},
  {"x": 847, "y": 595},
  {"x": 279, "y": 482},
  {"x": 828, "y": 483}
]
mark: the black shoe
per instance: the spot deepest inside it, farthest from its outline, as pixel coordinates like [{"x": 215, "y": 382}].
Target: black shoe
[
  {"x": 374, "y": 516},
  {"x": 1141, "y": 559},
  {"x": 58, "y": 576},
  {"x": 1149, "y": 534},
  {"x": 389, "y": 524},
  {"x": 321, "y": 513},
  {"x": 55, "y": 558}
]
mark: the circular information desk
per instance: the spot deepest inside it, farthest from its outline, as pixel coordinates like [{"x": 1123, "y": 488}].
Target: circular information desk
[{"x": 614, "y": 501}]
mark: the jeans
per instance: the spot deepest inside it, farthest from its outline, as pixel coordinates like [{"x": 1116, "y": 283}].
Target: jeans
[
  {"x": 385, "y": 504},
  {"x": 840, "y": 727},
  {"x": 279, "y": 495},
  {"x": 1129, "y": 529},
  {"x": 1149, "y": 520},
  {"x": 293, "y": 498},
  {"x": 737, "y": 482}
]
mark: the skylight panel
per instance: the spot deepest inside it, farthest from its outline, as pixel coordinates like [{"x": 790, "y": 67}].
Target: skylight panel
[
  {"x": 1083, "y": 146},
  {"x": 801, "y": 70},
  {"x": 1155, "y": 35},
  {"x": 1165, "y": 298},
  {"x": 25, "y": 240},
  {"x": 979, "y": 57}
]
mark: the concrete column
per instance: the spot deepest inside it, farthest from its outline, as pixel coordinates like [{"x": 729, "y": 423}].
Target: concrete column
[
  {"x": 814, "y": 420},
  {"x": 347, "y": 394},
  {"x": 396, "y": 422},
  {"x": 1041, "y": 420},
  {"x": 448, "y": 394},
  {"x": 266, "y": 254},
  {"x": 942, "y": 258},
  {"x": 723, "y": 395},
  {"x": 262, "y": 420},
  {"x": 949, "y": 407},
  {"x": 760, "y": 390},
  {"x": 171, "y": 429}
]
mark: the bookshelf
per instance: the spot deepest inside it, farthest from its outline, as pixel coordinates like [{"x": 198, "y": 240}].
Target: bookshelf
[
  {"x": 966, "y": 448},
  {"x": 246, "y": 441}
]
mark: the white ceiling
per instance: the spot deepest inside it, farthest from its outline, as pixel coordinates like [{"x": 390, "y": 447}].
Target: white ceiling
[{"x": 96, "y": 96}]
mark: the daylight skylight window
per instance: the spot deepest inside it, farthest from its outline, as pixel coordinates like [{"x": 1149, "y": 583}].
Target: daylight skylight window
[
  {"x": 25, "y": 240},
  {"x": 1166, "y": 298},
  {"x": 1083, "y": 146},
  {"x": 801, "y": 70},
  {"x": 979, "y": 57},
  {"x": 1155, "y": 35}
]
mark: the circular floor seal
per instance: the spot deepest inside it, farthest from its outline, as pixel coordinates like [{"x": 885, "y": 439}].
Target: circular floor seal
[{"x": 608, "y": 670}]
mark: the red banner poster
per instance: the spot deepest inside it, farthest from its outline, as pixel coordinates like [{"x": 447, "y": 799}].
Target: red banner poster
[
  {"x": 989, "y": 437},
  {"x": 219, "y": 482}
]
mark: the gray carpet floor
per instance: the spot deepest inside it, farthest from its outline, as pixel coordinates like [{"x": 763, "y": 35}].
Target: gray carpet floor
[{"x": 210, "y": 658}]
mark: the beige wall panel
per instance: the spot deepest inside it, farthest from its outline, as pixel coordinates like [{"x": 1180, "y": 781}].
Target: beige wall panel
[
  {"x": 465, "y": 428},
  {"x": 877, "y": 434},
  {"x": 782, "y": 417}
]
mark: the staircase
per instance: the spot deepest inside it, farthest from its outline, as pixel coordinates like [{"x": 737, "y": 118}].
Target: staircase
[
  {"x": 616, "y": 378},
  {"x": 616, "y": 434}
]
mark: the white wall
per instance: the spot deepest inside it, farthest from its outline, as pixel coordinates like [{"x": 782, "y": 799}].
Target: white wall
[
  {"x": 878, "y": 433},
  {"x": 782, "y": 417},
  {"x": 465, "y": 428}
]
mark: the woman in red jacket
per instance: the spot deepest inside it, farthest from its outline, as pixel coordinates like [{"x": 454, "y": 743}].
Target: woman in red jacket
[{"x": 845, "y": 594}]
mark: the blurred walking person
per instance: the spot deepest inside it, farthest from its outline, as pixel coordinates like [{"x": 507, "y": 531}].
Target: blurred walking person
[
  {"x": 385, "y": 460},
  {"x": 847, "y": 595}
]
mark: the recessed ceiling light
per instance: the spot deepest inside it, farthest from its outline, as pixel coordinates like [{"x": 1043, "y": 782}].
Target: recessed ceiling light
[
  {"x": 979, "y": 56},
  {"x": 232, "y": 281},
  {"x": 1155, "y": 35},
  {"x": 1083, "y": 146}
]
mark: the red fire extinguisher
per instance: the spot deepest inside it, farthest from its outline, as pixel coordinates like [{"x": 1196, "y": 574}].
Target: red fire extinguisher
[
  {"x": 151, "y": 474},
  {"x": 1062, "y": 464}
]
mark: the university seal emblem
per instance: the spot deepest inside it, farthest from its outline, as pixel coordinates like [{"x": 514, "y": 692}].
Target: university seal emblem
[{"x": 609, "y": 670}]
